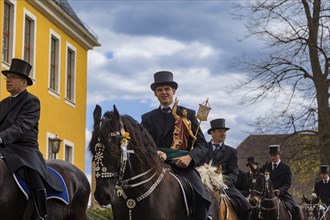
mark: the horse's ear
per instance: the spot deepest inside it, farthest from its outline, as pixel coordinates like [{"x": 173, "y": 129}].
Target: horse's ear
[
  {"x": 305, "y": 199},
  {"x": 116, "y": 112},
  {"x": 97, "y": 114},
  {"x": 219, "y": 169}
]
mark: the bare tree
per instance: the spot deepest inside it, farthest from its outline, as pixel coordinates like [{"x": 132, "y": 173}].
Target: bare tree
[{"x": 294, "y": 64}]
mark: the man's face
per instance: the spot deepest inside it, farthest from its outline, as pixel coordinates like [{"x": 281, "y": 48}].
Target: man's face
[
  {"x": 324, "y": 176},
  {"x": 274, "y": 158},
  {"x": 165, "y": 94},
  {"x": 15, "y": 83},
  {"x": 219, "y": 135}
]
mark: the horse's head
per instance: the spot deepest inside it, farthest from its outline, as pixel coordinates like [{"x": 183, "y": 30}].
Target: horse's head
[
  {"x": 106, "y": 154},
  {"x": 311, "y": 207},
  {"x": 120, "y": 147},
  {"x": 257, "y": 188}
]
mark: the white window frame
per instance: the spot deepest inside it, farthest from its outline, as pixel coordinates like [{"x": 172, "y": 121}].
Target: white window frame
[
  {"x": 12, "y": 29},
  {"x": 71, "y": 145},
  {"x": 33, "y": 18},
  {"x": 56, "y": 92},
  {"x": 72, "y": 101}
]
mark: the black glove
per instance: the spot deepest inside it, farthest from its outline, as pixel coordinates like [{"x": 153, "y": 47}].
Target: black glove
[
  {"x": 277, "y": 192},
  {"x": 1, "y": 143}
]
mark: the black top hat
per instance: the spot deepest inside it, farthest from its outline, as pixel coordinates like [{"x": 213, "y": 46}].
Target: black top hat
[
  {"x": 163, "y": 78},
  {"x": 274, "y": 149},
  {"x": 251, "y": 160},
  {"x": 21, "y": 68},
  {"x": 324, "y": 169},
  {"x": 217, "y": 124}
]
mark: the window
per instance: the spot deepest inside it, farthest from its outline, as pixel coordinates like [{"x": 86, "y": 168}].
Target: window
[
  {"x": 51, "y": 155},
  {"x": 8, "y": 31},
  {"x": 70, "y": 74},
  {"x": 54, "y": 66},
  {"x": 68, "y": 153},
  {"x": 29, "y": 38}
]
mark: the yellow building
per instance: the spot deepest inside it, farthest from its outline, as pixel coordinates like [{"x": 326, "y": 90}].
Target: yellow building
[{"x": 51, "y": 37}]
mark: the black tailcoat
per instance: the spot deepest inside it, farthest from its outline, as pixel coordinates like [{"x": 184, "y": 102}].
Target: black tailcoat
[
  {"x": 281, "y": 180},
  {"x": 161, "y": 126},
  {"x": 226, "y": 156},
  {"x": 242, "y": 183},
  {"x": 323, "y": 191},
  {"x": 19, "y": 119}
]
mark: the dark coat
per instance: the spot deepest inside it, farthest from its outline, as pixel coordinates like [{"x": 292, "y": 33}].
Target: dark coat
[
  {"x": 19, "y": 119},
  {"x": 323, "y": 191},
  {"x": 161, "y": 126},
  {"x": 280, "y": 177},
  {"x": 249, "y": 178},
  {"x": 226, "y": 156},
  {"x": 242, "y": 183},
  {"x": 281, "y": 180}
]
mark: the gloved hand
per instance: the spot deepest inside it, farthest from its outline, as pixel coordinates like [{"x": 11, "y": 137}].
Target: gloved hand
[
  {"x": 1, "y": 143},
  {"x": 277, "y": 192}
]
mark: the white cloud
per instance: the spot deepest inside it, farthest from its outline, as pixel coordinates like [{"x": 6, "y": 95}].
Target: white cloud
[{"x": 195, "y": 40}]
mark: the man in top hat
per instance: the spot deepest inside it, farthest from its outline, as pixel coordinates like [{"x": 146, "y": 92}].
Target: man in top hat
[
  {"x": 251, "y": 163},
  {"x": 226, "y": 156},
  {"x": 322, "y": 188},
  {"x": 160, "y": 124},
  {"x": 19, "y": 116},
  {"x": 253, "y": 167},
  {"x": 280, "y": 175}
]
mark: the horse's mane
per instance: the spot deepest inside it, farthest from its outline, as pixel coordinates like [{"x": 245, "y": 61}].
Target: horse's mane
[
  {"x": 145, "y": 150},
  {"x": 211, "y": 176}
]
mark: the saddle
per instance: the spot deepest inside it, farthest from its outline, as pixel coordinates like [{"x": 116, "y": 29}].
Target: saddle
[
  {"x": 188, "y": 193},
  {"x": 62, "y": 195}
]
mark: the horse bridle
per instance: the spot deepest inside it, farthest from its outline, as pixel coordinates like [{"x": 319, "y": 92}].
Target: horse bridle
[
  {"x": 262, "y": 198},
  {"x": 258, "y": 194},
  {"x": 101, "y": 170}
]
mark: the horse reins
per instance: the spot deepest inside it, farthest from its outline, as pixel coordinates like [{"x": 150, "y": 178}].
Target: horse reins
[
  {"x": 262, "y": 198},
  {"x": 101, "y": 170}
]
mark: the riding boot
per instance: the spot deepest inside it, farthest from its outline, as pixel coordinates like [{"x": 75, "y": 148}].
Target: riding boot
[
  {"x": 210, "y": 213},
  {"x": 201, "y": 209},
  {"x": 41, "y": 202},
  {"x": 297, "y": 214}
]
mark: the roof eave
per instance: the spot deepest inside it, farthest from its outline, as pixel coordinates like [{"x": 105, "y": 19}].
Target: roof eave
[{"x": 57, "y": 15}]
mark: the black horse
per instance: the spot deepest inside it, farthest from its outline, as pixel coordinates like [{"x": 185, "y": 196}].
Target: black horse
[
  {"x": 14, "y": 205},
  {"x": 129, "y": 174},
  {"x": 313, "y": 210},
  {"x": 265, "y": 204}
]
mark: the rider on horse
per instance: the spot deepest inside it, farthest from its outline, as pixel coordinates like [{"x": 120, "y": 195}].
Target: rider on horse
[
  {"x": 280, "y": 175},
  {"x": 226, "y": 156},
  {"x": 19, "y": 116},
  {"x": 322, "y": 188},
  {"x": 161, "y": 124}
]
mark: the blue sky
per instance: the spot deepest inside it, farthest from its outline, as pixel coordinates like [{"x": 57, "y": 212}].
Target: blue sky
[{"x": 197, "y": 40}]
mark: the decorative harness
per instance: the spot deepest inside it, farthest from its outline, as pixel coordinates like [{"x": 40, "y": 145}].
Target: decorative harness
[
  {"x": 262, "y": 198},
  {"x": 101, "y": 170}
]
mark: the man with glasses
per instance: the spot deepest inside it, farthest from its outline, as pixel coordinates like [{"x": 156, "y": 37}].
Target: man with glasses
[{"x": 19, "y": 117}]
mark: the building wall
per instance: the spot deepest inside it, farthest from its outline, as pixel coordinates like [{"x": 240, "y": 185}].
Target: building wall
[{"x": 59, "y": 116}]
